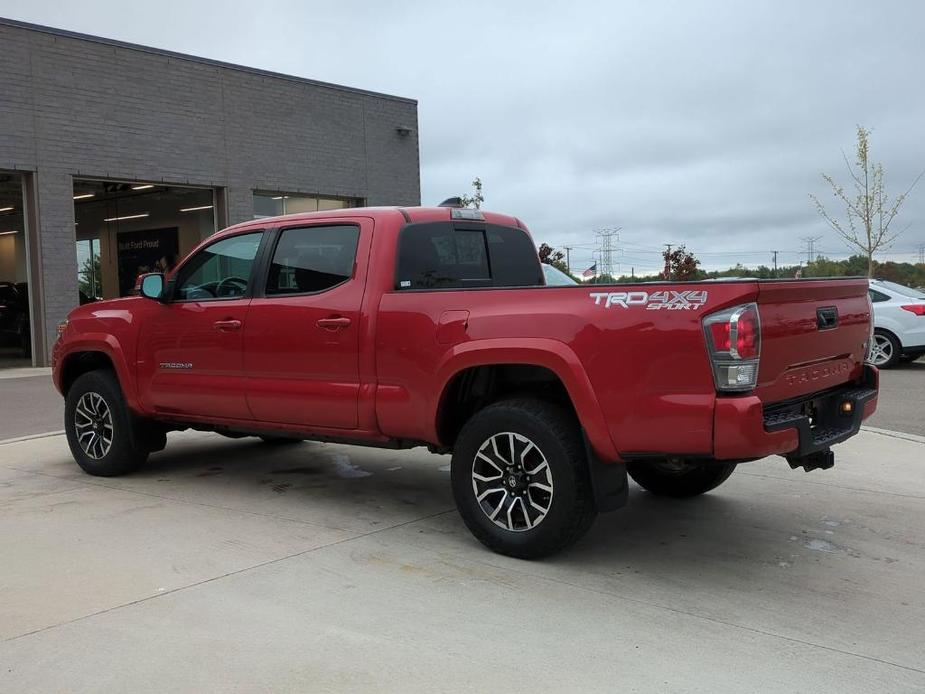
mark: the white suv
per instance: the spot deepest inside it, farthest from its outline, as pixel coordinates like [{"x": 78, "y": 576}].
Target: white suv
[{"x": 899, "y": 323}]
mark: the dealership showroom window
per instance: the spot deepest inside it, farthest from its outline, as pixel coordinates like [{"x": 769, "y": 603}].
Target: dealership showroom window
[{"x": 124, "y": 229}]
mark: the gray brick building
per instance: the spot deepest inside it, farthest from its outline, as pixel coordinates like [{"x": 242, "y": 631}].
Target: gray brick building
[{"x": 91, "y": 125}]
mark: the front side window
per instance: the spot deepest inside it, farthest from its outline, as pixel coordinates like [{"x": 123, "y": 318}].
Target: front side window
[
  {"x": 312, "y": 259},
  {"x": 221, "y": 270},
  {"x": 442, "y": 256}
]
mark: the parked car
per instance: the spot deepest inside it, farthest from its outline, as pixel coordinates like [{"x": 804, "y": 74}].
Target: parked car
[
  {"x": 899, "y": 323},
  {"x": 403, "y": 327},
  {"x": 14, "y": 317},
  {"x": 555, "y": 277}
]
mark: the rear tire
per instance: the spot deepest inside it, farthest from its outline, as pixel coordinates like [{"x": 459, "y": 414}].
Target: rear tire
[
  {"x": 679, "y": 480},
  {"x": 520, "y": 478},
  {"x": 886, "y": 349},
  {"x": 99, "y": 427}
]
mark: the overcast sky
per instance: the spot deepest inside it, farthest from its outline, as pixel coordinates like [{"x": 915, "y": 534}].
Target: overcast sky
[{"x": 698, "y": 123}]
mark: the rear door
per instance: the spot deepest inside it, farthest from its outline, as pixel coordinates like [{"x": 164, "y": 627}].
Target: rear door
[
  {"x": 301, "y": 344},
  {"x": 814, "y": 336}
]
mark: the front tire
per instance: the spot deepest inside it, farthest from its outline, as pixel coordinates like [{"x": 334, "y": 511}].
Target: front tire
[
  {"x": 679, "y": 479},
  {"x": 520, "y": 478},
  {"x": 99, "y": 427}
]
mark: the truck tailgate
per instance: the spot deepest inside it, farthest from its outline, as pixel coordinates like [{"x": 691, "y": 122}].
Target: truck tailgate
[{"x": 814, "y": 336}]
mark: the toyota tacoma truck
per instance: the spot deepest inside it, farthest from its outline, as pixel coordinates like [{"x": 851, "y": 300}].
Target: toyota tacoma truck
[{"x": 403, "y": 327}]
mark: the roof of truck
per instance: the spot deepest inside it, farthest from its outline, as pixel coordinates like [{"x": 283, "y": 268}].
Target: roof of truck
[{"x": 410, "y": 215}]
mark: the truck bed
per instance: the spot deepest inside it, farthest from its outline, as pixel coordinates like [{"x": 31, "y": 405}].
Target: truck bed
[{"x": 641, "y": 347}]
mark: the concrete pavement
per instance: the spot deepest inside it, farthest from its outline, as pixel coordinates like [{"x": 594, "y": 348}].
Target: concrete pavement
[
  {"x": 29, "y": 403},
  {"x": 902, "y": 398},
  {"x": 231, "y": 566}
]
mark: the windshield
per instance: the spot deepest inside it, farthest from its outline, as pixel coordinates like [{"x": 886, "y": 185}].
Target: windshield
[
  {"x": 555, "y": 277},
  {"x": 900, "y": 289}
]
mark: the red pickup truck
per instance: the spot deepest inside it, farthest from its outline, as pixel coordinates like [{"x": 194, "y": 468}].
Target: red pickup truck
[{"x": 432, "y": 327}]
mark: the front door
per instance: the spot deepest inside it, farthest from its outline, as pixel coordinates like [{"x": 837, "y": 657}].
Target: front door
[
  {"x": 301, "y": 342},
  {"x": 190, "y": 348}
]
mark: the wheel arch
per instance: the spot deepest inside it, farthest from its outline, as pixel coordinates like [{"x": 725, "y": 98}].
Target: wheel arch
[
  {"x": 481, "y": 372},
  {"x": 890, "y": 332},
  {"x": 91, "y": 355}
]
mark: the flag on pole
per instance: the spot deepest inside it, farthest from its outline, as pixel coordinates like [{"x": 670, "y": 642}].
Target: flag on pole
[{"x": 590, "y": 272}]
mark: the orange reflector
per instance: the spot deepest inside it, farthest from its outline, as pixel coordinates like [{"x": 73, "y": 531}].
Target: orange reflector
[{"x": 847, "y": 407}]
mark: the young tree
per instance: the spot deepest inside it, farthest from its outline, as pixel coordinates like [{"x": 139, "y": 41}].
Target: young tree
[
  {"x": 869, "y": 212},
  {"x": 476, "y": 199},
  {"x": 550, "y": 255},
  {"x": 680, "y": 264},
  {"x": 556, "y": 258},
  {"x": 88, "y": 278}
]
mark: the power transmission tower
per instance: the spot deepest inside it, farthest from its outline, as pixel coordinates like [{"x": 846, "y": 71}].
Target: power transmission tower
[
  {"x": 810, "y": 242},
  {"x": 606, "y": 249},
  {"x": 922, "y": 254}
]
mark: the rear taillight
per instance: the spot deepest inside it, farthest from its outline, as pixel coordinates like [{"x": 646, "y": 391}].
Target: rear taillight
[
  {"x": 917, "y": 309},
  {"x": 734, "y": 343}
]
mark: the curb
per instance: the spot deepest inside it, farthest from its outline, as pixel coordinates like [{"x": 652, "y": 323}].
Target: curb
[
  {"x": 30, "y": 437},
  {"x": 25, "y": 372},
  {"x": 895, "y": 434}
]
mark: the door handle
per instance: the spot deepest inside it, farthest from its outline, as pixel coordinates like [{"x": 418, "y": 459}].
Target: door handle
[
  {"x": 338, "y": 323},
  {"x": 226, "y": 325}
]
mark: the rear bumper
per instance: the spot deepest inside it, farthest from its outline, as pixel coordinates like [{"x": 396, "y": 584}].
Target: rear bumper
[{"x": 744, "y": 427}]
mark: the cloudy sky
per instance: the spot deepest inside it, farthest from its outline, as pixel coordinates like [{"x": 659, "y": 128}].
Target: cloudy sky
[{"x": 698, "y": 123}]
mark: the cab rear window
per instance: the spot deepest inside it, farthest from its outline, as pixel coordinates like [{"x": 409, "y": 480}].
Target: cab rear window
[{"x": 444, "y": 255}]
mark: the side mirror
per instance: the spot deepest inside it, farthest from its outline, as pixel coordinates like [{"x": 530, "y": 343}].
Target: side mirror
[{"x": 151, "y": 285}]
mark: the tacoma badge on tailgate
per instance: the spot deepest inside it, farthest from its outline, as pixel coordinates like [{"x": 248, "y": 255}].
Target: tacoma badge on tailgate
[{"x": 816, "y": 373}]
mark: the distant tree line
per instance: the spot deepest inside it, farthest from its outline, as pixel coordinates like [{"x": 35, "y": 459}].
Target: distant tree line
[{"x": 855, "y": 266}]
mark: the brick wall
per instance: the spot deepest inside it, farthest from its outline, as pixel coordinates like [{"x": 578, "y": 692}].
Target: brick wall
[{"x": 77, "y": 107}]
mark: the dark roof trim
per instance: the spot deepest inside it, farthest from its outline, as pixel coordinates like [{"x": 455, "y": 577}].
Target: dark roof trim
[{"x": 194, "y": 59}]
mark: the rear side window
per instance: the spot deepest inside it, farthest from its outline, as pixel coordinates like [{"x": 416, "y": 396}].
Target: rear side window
[
  {"x": 312, "y": 259},
  {"x": 443, "y": 256},
  {"x": 876, "y": 296}
]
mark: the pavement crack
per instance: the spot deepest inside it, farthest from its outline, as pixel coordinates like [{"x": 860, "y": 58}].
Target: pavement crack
[
  {"x": 225, "y": 575},
  {"x": 696, "y": 615},
  {"x": 789, "y": 480},
  {"x": 217, "y": 507}
]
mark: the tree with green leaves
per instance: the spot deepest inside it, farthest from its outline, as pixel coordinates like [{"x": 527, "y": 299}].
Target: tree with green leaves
[
  {"x": 869, "y": 211},
  {"x": 89, "y": 278},
  {"x": 680, "y": 264},
  {"x": 556, "y": 258},
  {"x": 476, "y": 199}
]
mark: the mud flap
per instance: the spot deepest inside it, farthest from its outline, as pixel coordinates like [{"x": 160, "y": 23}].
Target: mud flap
[{"x": 608, "y": 480}]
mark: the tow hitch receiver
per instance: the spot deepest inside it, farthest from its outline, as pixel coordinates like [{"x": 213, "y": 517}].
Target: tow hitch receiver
[{"x": 820, "y": 460}]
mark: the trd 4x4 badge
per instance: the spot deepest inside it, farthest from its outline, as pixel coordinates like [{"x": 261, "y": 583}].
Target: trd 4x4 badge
[{"x": 669, "y": 300}]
